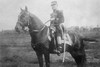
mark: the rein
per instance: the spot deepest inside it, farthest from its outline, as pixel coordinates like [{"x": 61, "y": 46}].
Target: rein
[
  {"x": 39, "y": 30},
  {"x": 42, "y": 27},
  {"x": 36, "y": 30}
]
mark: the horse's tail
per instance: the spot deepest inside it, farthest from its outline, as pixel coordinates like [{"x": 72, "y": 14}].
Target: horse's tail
[{"x": 89, "y": 39}]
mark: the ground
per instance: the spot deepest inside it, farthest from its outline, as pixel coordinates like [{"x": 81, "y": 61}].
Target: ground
[{"x": 16, "y": 51}]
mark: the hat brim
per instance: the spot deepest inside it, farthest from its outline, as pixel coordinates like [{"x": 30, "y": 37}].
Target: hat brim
[{"x": 53, "y": 4}]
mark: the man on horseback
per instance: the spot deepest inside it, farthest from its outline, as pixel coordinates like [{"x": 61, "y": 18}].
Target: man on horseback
[{"x": 57, "y": 19}]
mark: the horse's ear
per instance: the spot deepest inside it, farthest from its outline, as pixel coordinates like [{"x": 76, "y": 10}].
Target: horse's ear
[
  {"x": 21, "y": 9},
  {"x": 26, "y": 9}
]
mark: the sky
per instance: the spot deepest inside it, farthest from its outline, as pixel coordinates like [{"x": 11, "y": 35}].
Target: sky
[{"x": 76, "y": 12}]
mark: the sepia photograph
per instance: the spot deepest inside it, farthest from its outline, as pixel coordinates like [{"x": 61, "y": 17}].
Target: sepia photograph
[{"x": 49, "y": 33}]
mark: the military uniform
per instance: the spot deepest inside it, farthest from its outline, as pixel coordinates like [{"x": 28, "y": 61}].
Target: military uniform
[{"x": 59, "y": 19}]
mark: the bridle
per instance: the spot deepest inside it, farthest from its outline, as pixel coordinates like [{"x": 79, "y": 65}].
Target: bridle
[
  {"x": 39, "y": 30},
  {"x": 28, "y": 24}
]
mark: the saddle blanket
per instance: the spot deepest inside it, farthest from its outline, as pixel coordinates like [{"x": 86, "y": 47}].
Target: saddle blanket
[{"x": 67, "y": 39}]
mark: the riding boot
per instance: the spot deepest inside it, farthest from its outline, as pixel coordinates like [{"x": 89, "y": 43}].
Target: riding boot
[
  {"x": 55, "y": 50},
  {"x": 59, "y": 49}
]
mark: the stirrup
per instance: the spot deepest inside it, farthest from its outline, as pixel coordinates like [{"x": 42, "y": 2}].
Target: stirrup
[{"x": 57, "y": 52}]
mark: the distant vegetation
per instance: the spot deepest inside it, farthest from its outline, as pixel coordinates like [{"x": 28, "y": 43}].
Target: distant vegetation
[
  {"x": 86, "y": 31},
  {"x": 16, "y": 50}
]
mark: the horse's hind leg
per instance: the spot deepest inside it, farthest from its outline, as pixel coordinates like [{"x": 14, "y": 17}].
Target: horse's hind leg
[
  {"x": 80, "y": 60},
  {"x": 47, "y": 58},
  {"x": 40, "y": 58}
]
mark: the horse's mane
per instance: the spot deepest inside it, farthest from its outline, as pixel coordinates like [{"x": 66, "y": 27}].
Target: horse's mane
[{"x": 36, "y": 18}]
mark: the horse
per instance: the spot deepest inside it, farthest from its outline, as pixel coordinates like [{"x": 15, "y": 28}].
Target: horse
[{"x": 43, "y": 46}]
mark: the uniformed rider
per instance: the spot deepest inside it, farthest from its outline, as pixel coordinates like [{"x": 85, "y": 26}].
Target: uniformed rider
[{"x": 57, "y": 19}]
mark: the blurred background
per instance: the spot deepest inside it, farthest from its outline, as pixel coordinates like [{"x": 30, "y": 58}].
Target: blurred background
[
  {"x": 77, "y": 12},
  {"x": 81, "y": 16}
]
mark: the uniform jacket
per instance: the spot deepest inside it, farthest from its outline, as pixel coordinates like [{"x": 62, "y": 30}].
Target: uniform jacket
[{"x": 58, "y": 15}]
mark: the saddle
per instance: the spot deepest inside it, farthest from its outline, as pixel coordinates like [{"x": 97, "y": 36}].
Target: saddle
[
  {"x": 66, "y": 36},
  {"x": 52, "y": 36}
]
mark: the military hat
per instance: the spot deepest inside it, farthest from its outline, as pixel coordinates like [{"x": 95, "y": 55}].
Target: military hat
[{"x": 53, "y": 3}]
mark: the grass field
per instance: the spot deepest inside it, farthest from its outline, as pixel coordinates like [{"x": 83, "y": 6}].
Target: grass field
[{"x": 16, "y": 51}]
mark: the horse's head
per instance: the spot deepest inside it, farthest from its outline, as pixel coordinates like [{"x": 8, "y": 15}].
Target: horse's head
[
  {"x": 22, "y": 20},
  {"x": 27, "y": 19}
]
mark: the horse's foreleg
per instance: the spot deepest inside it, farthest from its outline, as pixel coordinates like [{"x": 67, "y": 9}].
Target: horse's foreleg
[
  {"x": 40, "y": 58},
  {"x": 47, "y": 58}
]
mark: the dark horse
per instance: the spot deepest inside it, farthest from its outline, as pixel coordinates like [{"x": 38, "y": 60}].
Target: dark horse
[{"x": 43, "y": 45}]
